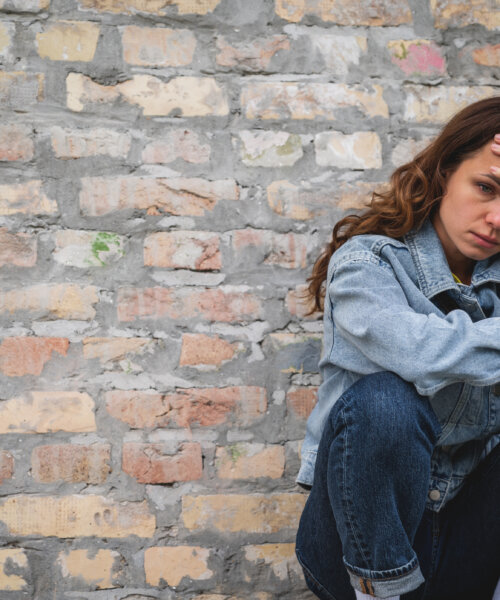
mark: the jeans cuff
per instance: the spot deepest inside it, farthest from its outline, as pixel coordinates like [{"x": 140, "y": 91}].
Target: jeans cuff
[{"x": 392, "y": 582}]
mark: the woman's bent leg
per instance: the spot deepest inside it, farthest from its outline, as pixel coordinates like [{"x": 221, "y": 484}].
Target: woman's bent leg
[
  {"x": 466, "y": 538},
  {"x": 374, "y": 457}
]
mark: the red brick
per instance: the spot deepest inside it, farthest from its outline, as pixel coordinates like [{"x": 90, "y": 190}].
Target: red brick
[
  {"x": 200, "y": 349},
  {"x": 252, "y": 56},
  {"x": 179, "y": 143},
  {"x": 288, "y": 250},
  {"x": 220, "y": 304},
  {"x": 306, "y": 100},
  {"x": 28, "y": 355},
  {"x": 149, "y": 463},
  {"x": 158, "y": 46},
  {"x": 301, "y": 400},
  {"x": 198, "y": 250},
  {"x": 80, "y": 143},
  {"x": 347, "y": 12},
  {"x": 16, "y": 143},
  {"x": 19, "y": 249},
  {"x": 488, "y": 56},
  {"x": 27, "y": 198},
  {"x": 6, "y": 465},
  {"x": 205, "y": 407},
  {"x": 177, "y": 196},
  {"x": 71, "y": 462}
]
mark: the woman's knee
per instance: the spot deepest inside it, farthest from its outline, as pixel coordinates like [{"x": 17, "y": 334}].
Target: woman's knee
[{"x": 385, "y": 407}]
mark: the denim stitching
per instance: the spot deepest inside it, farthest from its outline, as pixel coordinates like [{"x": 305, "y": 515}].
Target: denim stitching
[{"x": 347, "y": 500}]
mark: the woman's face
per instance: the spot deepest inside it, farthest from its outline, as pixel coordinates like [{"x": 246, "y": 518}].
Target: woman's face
[{"x": 468, "y": 219}]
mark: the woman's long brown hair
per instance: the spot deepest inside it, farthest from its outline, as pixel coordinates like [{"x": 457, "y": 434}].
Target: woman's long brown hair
[{"x": 415, "y": 188}]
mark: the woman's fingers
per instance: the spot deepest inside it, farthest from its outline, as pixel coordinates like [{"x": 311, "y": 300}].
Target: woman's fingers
[{"x": 496, "y": 144}]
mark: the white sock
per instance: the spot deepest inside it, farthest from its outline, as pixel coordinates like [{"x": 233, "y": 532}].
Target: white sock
[
  {"x": 361, "y": 596},
  {"x": 496, "y": 595}
]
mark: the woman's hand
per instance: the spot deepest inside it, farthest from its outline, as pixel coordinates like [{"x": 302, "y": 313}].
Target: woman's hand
[{"x": 495, "y": 148}]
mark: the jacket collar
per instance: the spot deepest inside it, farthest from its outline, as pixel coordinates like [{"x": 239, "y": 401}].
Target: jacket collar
[{"x": 433, "y": 273}]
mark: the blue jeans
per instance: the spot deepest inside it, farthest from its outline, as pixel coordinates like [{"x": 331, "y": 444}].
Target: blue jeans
[{"x": 365, "y": 524}]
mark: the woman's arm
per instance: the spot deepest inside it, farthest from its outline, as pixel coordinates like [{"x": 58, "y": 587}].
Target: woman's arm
[{"x": 370, "y": 310}]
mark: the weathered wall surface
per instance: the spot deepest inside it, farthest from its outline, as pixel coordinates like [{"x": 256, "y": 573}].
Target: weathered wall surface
[{"x": 170, "y": 169}]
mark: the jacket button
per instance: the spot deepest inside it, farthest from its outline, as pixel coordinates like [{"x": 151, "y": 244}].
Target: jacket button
[
  {"x": 434, "y": 495},
  {"x": 496, "y": 389}
]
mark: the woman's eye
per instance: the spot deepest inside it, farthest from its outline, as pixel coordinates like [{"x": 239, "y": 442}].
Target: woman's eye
[{"x": 484, "y": 188}]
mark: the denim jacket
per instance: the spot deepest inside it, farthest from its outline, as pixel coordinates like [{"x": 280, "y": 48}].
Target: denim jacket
[{"x": 395, "y": 306}]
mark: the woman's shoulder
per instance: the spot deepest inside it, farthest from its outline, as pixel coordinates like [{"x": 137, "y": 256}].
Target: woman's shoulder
[{"x": 367, "y": 246}]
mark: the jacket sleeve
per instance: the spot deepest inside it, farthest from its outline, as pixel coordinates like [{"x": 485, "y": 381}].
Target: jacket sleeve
[{"x": 371, "y": 311}]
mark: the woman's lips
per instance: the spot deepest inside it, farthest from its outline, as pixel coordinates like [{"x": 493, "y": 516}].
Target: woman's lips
[{"x": 485, "y": 241}]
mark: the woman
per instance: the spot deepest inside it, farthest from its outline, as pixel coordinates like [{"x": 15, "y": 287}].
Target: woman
[{"x": 402, "y": 445}]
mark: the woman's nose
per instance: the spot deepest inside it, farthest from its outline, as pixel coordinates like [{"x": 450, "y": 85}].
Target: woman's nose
[{"x": 493, "y": 218}]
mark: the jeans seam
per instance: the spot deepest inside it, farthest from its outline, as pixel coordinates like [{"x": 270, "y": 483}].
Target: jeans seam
[
  {"x": 346, "y": 494},
  {"x": 312, "y": 577}
]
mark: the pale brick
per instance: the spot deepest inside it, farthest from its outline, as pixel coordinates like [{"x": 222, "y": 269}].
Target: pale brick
[
  {"x": 460, "y": 13},
  {"x": 339, "y": 52},
  {"x": 6, "y": 465},
  {"x": 280, "y": 559},
  {"x": 199, "y": 7},
  {"x": 250, "y": 56},
  {"x": 288, "y": 250},
  {"x": 75, "y": 516},
  {"x": 158, "y": 46},
  {"x": 68, "y": 40},
  {"x": 300, "y": 100},
  {"x": 438, "y": 104},
  {"x": 219, "y": 304},
  {"x": 231, "y": 513},
  {"x": 57, "y": 300},
  {"x": 406, "y": 150},
  {"x": 282, "y": 340},
  {"x": 249, "y": 461},
  {"x": 292, "y": 201},
  {"x": 198, "y": 250},
  {"x": 26, "y": 198},
  {"x": 347, "y": 12},
  {"x": 112, "y": 349},
  {"x": 177, "y": 196},
  {"x": 16, "y": 142},
  {"x": 487, "y": 56},
  {"x": 301, "y": 400},
  {"x": 82, "y": 143},
  {"x": 298, "y": 303},
  {"x": 85, "y": 249},
  {"x": 28, "y": 355},
  {"x": 95, "y": 568},
  {"x": 179, "y": 143},
  {"x": 206, "y": 407},
  {"x": 19, "y": 249},
  {"x": 270, "y": 148},
  {"x": 418, "y": 57},
  {"x": 172, "y": 564},
  {"x": 20, "y": 90},
  {"x": 29, "y": 6},
  {"x": 199, "y": 349},
  {"x": 184, "y": 96},
  {"x": 7, "y": 33},
  {"x": 47, "y": 411},
  {"x": 9, "y": 580},
  {"x": 155, "y": 463},
  {"x": 361, "y": 150},
  {"x": 71, "y": 462}
]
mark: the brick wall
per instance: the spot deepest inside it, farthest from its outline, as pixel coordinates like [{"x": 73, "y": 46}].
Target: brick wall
[{"x": 170, "y": 170}]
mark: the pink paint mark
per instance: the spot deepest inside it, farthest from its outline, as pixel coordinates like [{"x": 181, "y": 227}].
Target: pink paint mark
[{"x": 424, "y": 59}]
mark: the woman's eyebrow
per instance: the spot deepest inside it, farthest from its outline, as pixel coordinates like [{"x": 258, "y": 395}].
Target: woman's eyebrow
[{"x": 490, "y": 176}]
